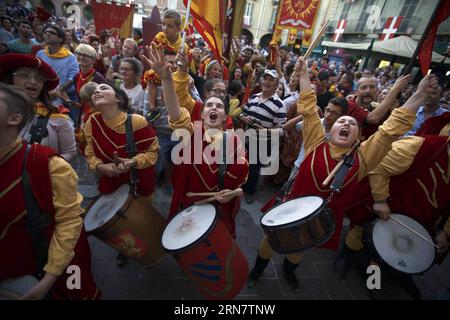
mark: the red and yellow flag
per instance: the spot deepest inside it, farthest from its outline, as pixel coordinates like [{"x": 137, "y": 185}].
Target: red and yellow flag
[
  {"x": 296, "y": 15},
  {"x": 117, "y": 18},
  {"x": 209, "y": 21}
]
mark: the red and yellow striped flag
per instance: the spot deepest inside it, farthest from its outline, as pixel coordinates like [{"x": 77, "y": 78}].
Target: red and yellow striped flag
[{"x": 209, "y": 21}]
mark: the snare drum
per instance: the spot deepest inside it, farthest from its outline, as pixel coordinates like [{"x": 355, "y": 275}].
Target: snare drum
[
  {"x": 13, "y": 289},
  {"x": 130, "y": 225},
  {"x": 401, "y": 249},
  {"x": 206, "y": 252},
  {"x": 298, "y": 224}
]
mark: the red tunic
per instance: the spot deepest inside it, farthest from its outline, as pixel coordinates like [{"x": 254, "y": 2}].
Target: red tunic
[
  {"x": 422, "y": 192},
  {"x": 17, "y": 256},
  {"x": 313, "y": 171},
  {"x": 204, "y": 178},
  {"x": 107, "y": 140},
  {"x": 434, "y": 125}
]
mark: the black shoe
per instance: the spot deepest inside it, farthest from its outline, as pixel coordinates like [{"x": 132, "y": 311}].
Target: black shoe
[
  {"x": 121, "y": 260},
  {"x": 289, "y": 273},
  {"x": 340, "y": 265},
  {"x": 256, "y": 272}
]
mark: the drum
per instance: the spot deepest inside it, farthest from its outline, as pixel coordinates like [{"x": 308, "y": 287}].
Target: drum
[
  {"x": 206, "y": 252},
  {"x": 401, "y": 249},
  {"x": 130, "y": 225},
  {"x": 298, "y": 224},
  {"x": 13, "y": 289}
]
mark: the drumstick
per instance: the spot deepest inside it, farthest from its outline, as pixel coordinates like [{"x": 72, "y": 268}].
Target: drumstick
[
  {"x": 316, "y": 41},
  {"x": 116, "y": 158},
  {"x": 235, "y": 193},
  {"x": 9, "y": 294},
  {"x": 338, "y": 166},
  {"x": 414, "y": 231},
  {"x": 200, "y": 194}
]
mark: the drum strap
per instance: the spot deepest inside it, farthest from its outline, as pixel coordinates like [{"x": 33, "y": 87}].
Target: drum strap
[
  {"x": 223, "y": 165},
  {"x": 35, "y": 220},
  {"x": 39, "y": 130},
  {"x": 339, "y": 178},
  {"x": 131, "y": 150}
]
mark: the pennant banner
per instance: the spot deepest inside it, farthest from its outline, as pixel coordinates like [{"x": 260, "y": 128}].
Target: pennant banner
[
  {"x": 298, "y": 15},
  {"x": 117, "y": 18}
]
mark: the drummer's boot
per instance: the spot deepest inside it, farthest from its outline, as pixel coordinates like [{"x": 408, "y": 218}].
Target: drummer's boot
[
  {"x": 289, "y": 273},
  {"x": 342, "y": 261},
  {"x": 256, "y": 272}
]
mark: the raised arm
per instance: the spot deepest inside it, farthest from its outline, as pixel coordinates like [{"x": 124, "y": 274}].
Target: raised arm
[{"x": 312, "y": 129}]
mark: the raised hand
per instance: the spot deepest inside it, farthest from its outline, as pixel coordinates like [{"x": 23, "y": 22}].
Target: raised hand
[
  {"x": 300, "y": 66},
  {"x": 158, "y": 62},
  {"x": 428, "y": 85},
  {"x": 402, "y": 82}
]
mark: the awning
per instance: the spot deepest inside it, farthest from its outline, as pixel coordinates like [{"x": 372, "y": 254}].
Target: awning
[{"x": 402, "y": 46}]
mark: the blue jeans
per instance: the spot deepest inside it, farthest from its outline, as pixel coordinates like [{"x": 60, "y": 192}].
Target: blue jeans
[{"x": 166, "y": 145}]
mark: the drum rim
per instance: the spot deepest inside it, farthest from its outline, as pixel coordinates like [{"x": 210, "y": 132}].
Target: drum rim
[
  {"x": 201, "y": 238},
  {"x": 387, "y": 263},
  {"x": 124, "y": 208},
  {"x": 289, "y": 224}
]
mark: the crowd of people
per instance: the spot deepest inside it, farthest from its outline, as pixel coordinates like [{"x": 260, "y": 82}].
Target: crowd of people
[{"x": 66, "y": 94}]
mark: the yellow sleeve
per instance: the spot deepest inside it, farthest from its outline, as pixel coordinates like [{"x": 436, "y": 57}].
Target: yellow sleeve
[
  {"x": 68, "y": 221},
  {"x": 312, "y": 129},
  {"x": 150, "y": 156},
  {"x": 378, "y": 145},
  {"x": 181, "y": 83},
  {"x": 396, "y": 162},
  {"x": 183, "y": 122},
  {"x": 235, "y": 110},
  {"x": 91, "y": 158}
]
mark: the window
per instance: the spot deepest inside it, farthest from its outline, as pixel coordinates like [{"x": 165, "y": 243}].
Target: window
[
  {"x": 409, "y": 20},
  {"x": 248, "y": 13},
  {"x": 362, "y": 21},
  {"x": 273, "y": 18},
  {"x": 88, "y": 13},
  {"x": 345, "y": 10},
  {"x": 152, "y": 2},
  {"x": 172, "y": 4}
]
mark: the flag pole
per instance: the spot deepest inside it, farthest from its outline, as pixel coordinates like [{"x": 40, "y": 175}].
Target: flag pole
[
  {"x": 186, "y": 23},
  {"x": 413, "y": 59}
]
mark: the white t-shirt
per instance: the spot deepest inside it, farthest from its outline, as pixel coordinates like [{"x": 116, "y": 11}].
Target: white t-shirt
[{"x": 136, "y": 96}]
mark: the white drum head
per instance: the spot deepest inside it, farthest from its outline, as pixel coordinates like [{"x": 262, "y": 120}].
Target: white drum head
[
  {"x": 15, "y": 288},
  {"x": 188, "y": 226},
  {"x": 400, "y": 248},
  {"x": 105, "y": 208},
  {"x": 292, "y": 210}
]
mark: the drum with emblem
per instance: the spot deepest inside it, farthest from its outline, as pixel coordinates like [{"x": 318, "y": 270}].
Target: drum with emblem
[
  {"x": 400, "y": 248},
  {"x": 130, "y": 225},
  {"x": 206, "y": 252}
]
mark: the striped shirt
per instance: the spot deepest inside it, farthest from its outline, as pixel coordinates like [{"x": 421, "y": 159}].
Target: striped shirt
[{"x": 269, "y": 113}]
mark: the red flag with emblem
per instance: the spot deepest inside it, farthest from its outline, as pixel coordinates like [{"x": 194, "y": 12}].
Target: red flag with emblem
[
  {"x": 390, "y": 27},
  {"x": 339, "y": 30}
]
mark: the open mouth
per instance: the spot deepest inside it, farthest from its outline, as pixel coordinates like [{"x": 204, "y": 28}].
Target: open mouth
[
  {"x": 344, "y": 133},
  {"x": 32, "y": 91},
  {"x": 213, "y": 116}
]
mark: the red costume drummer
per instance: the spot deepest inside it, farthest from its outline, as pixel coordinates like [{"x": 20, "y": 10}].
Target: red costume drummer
[
  {"x": 322, "y": 155},
  {"x": 52, "y": 238},
  {"x": 203, "y": 176},
  {"x": 105, "y": 134}
]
